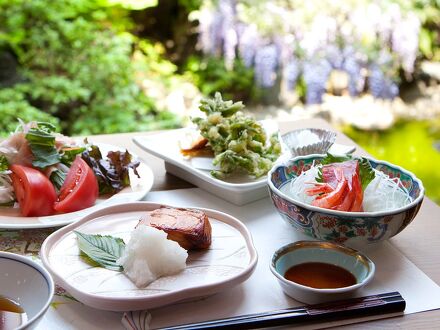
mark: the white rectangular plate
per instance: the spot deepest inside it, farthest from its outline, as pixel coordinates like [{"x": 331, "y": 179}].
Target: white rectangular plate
[{"x": 238, "y": 189}]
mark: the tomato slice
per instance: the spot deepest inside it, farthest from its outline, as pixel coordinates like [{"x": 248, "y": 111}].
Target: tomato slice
[
  {"x": 80, "y": 189},
  {"x": 33, "y": 190}
]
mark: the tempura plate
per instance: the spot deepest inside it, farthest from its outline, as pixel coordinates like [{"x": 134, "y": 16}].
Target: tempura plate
[{"x": 238, "y": 189}]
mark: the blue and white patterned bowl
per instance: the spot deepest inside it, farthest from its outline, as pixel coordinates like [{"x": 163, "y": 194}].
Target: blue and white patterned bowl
[{"x": 348, "y": 228}]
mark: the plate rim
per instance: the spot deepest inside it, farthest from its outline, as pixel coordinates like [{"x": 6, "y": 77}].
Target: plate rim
[
  {"x": 149, "y": 178},
  {"x": 160, "y": 299}
]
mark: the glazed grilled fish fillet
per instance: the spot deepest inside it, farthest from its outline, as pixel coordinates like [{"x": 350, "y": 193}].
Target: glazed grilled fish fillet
[{"x": 188, "y": 227}]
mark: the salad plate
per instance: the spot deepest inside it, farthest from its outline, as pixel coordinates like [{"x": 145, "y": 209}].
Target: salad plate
[
  {"x": 10, "y": 217},
  {"x": 230, "y": 260},
  {"x": 238, "y": 188}
]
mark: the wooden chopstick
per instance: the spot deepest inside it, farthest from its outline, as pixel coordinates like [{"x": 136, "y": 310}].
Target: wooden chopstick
[{"x": 391, "y": 302}]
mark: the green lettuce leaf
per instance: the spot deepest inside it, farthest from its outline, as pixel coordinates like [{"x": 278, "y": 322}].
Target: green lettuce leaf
[
  {"x": 42, "y": 144},
  {"x": 7, "y": 196},
  {"x": 4, "y": 164},
  {"x": 104, "y": 250},
  {"x": 113, "y": 172},
  {"x": 58, "y": 177},
  {"x": 68, "y": 155}
]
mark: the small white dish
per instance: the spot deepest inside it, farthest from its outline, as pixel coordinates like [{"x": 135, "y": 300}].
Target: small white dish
[
  {"x": 306, "y": 141},
  {"x": 27, "y": 283},
  {"x": 10, "y": 218},
  {"x": 359, "y": 265},
  {"x": 237, "y": 189},
  {"x": 230, "y": 260}
]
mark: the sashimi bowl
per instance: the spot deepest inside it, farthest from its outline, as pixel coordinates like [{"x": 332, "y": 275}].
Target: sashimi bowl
[{"x": 354, "y": 229}]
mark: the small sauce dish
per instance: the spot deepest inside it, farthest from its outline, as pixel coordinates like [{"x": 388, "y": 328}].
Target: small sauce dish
[
  {"x": 320, "y": 271},
  {"x": 26, "y": 291}
]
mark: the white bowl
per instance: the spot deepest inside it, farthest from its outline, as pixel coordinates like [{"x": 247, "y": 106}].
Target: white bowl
[
  {"x": 28, "y": 284},
  {"x": 317, "y": 251}
]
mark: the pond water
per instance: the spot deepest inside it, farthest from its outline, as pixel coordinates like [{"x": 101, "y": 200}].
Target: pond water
[{"x": 411, "y": 145}]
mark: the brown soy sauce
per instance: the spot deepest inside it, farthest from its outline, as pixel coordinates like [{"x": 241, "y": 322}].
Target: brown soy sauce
[
  {"x": 320, "y": 275},
  {"x": 12, "y": 314}
]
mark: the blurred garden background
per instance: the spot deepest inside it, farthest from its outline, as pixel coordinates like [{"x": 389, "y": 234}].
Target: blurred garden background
[{"x": 370, "y": 67}]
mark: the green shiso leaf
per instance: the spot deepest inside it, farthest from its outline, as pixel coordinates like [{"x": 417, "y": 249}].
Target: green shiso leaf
[
  {"x": 366, "y": 171},
  {"x": 330, "y": 159},
  {"x": 42, "y": 144},
  {"x": 104, "y": 250}
]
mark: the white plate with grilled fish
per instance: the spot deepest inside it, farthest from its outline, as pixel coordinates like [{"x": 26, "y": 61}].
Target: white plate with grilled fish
[{"x": 230, "y": 260}]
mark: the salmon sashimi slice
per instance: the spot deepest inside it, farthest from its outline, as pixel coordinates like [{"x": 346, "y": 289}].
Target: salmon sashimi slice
[
  {"x": 341, "y": 188},
  {"x": 358, "y": 193},
  {"x": 336, "y": 196},
  {"x": 319, "y": 189},
  {"x": 347, "y": 201}
]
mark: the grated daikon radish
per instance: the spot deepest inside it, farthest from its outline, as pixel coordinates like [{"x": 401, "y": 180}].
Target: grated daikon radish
[{"x": 150, "y": 255}]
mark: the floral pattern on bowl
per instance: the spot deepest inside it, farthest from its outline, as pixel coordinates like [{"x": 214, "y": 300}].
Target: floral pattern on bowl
[{"x": 349, "y": 228}]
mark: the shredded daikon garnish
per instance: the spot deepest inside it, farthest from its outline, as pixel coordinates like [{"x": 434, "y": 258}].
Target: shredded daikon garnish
[
  {"x": 382, "y": 194},
  {"x": 305, "y": 180}
]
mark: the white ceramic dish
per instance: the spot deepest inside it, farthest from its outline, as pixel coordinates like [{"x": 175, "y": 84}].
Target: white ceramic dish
[
  {"x": 10, "y": 218},
  {"x": 27, "y": 283},
  {"x": 306, "y": 141},
  {"x": 359, "y": 265},
  {"x": 230, "y": 260},
  {"x": 237, "y": 189}
]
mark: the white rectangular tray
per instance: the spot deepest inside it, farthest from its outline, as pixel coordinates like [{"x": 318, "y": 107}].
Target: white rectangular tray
[{"x": 237, "y": 189}]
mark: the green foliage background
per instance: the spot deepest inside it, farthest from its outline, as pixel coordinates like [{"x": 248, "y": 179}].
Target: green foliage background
[
  {"x": 81, "y": 66},
  {"x": 211, "y": 75},
  {"x": 410, "y": 144},
  {"x": 76, "y": 68}
]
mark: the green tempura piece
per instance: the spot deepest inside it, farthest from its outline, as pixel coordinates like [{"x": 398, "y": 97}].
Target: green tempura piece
[{"x": 239, "y": 142}]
